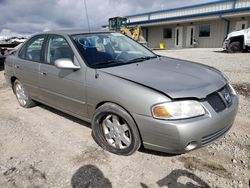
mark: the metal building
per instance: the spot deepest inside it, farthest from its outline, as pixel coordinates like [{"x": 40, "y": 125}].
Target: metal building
[{"x": 203, "y": 25}]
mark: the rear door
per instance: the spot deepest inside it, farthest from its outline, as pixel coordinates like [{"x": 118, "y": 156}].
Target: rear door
[
  {"x": 62, "y": 88},
  {"x": 26, "y": 64}
]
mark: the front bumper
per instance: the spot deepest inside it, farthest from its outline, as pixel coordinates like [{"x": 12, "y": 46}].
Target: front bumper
[
  {"x": 225, "y": 44},
  {"x": 180, "y": 136}
]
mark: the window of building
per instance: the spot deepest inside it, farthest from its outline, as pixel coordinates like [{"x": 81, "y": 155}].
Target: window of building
[
  {"x": 241, "y": 25},
  {"x": 204, "y": 31},
  {"x": 167, "y": 33}
]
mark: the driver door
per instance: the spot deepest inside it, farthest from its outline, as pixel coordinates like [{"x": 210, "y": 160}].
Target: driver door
[{"x": 62, "y": 88}]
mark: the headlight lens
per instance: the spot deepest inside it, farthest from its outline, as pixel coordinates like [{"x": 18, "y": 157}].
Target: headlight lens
[{"x": 178, "y": 110}]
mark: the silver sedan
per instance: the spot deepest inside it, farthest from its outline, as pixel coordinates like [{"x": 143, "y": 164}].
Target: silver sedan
[{"x": 131, "y": 96}]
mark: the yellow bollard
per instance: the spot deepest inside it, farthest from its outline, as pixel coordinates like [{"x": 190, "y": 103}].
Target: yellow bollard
[{"x": 162, "y": 45}]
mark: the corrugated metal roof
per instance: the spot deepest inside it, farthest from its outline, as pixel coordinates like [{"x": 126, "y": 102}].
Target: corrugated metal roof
[
  {"x": 180, "y": 8},
  {"x": 195, "y": 11}
]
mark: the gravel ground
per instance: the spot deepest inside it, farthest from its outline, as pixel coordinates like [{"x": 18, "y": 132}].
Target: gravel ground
[{"x": 42, "y": 147}]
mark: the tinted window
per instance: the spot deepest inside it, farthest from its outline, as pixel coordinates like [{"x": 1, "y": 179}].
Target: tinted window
[
  {"x": 167, "y": 33},
  {"x": 32, "y": 49},
  {"x": 57, "y": 48},
  {"x": 204, "y": 31}
]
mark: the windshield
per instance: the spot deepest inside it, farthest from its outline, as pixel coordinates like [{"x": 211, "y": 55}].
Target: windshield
[{"x": 110, "y": 49}]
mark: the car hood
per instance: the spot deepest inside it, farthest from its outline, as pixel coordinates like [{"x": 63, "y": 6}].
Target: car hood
[
  {"x": 237, "y": 33},
  {"x": 173, "y": 77}
]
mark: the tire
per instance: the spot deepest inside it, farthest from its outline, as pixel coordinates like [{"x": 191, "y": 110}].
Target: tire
[
  {"x": 22, "y": 97},
  {"x": 235, "y": 47},
  {"x": 245, "y": 50},
  {"x": 115, "y": 130}
]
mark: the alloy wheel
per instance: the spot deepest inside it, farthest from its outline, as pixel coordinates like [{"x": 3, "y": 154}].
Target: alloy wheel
[
  {"x": 116, "y": 131},
  {"x": 20, "y": 93}
]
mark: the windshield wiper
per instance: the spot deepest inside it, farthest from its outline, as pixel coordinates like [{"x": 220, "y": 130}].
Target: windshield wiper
[
  {"x": 109, "y": 62},
  {"x": 139, "y": 59}
]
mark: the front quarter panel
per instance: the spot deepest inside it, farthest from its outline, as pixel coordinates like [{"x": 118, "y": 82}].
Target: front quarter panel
[{"x": 135, "y": 98}]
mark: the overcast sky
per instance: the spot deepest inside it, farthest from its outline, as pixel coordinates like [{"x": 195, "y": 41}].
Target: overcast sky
[{"x": 30, "y": 16}]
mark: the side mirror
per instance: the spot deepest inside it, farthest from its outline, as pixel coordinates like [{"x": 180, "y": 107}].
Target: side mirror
[{"x": 66, "y": 64}]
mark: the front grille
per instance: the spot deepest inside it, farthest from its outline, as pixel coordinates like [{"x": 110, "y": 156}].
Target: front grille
[
  {"x": 220, "y": 99},
  {"x": 211, "y": 137},
  {"x": 225, "y": 94},
  {"x": 216, "y": 102}
]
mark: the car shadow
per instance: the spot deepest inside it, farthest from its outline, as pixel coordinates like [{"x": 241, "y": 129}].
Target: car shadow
[
  {"x": 156, "y": 153},
  {"x": 88, "y": 125},
  {"x": 221, "y": 51},
  {"x": 225, "y": 52},
  {"x": 67, "y": 116},
  {"x": 193, "y": 181},
  {"x": 90, "y": 176}
]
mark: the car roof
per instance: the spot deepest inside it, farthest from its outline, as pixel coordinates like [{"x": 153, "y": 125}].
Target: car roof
[{"x": 75, "y": 32}]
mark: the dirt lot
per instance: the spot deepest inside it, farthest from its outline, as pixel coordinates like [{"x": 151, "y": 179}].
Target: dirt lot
[{"x": 42, "y": 147}]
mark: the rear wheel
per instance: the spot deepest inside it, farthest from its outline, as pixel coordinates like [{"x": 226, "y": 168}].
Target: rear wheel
[
  {"x": 22, "y": 96},
  {"x": 115, "y": 130},
  {"x": 235, "y": 47}
]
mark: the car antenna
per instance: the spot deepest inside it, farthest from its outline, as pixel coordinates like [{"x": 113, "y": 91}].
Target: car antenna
[{"x": 86, "y": 12}]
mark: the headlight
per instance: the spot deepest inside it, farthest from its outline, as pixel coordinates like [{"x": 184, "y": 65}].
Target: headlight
[{"x": 178, "y": 110}]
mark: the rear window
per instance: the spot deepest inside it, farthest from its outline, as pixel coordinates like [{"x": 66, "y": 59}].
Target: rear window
[{"x": 32, "y": 49}]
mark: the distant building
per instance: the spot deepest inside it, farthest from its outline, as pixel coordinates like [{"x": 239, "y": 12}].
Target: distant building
[{"x": 203, "y": 25}]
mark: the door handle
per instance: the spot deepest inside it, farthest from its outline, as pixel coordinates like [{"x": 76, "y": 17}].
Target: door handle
[
  {"x": 16, "y": 66},
  {"x": 44, "y": 73}
]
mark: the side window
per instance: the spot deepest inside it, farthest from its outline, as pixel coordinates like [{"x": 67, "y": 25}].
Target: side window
[
  {"x": 204, "y": 31},
  {"x": 32, "y": 49},
  {"x": 57, "y": 48},
  {"x": 167, "y": 33}
]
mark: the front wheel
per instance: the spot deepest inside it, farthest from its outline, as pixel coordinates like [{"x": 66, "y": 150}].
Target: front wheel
[
  {"x": 235, "y": 47},
  {"x": 115, "y": 130}
]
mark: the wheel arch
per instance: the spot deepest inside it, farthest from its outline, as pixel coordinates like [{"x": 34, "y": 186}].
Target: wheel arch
[
  {"x": 12, "y": 81},
  {"x": 237, "y": 38},
  {"x": 104, "y": 102}
]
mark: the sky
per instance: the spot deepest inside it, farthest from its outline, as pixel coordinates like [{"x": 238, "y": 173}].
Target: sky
[{"x": 31, "y": 16}]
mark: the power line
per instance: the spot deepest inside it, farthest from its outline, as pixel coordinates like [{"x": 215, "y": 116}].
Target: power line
[{"x": 87, "y": 16}]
